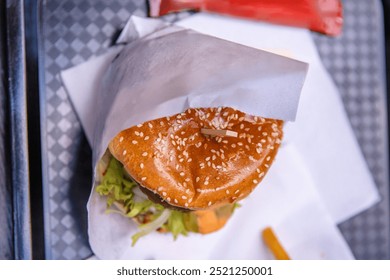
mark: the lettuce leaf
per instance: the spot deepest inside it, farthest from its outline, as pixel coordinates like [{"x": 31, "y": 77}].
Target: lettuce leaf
[
  {"x": 122, "y": 192},
  {"x": 176, "y": 224},
  {"x": 114, "y": 185}
]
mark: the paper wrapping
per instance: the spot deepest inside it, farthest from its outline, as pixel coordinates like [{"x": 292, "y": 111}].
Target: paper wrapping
[{"x": 165, "y": 73}]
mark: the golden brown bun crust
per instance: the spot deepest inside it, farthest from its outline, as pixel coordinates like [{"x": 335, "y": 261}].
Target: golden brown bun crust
[{"x": 171, "y": 157}]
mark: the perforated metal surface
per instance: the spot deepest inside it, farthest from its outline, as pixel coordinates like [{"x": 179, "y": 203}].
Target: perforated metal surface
[
  {"x": 356, "y": 63},
  {"x": 75, "y": 30}
]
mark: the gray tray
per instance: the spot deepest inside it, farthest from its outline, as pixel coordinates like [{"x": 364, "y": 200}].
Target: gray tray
[{"x": 72, "y": 31}]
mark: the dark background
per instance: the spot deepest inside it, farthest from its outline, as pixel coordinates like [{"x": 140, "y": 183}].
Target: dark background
[{"x": 8, "y": 220}]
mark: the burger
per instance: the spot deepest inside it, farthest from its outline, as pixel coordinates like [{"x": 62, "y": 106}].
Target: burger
[{"x": 187, "y": 172}]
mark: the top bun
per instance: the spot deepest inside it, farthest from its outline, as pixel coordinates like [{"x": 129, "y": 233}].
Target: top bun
[{"x": 187, "y": 169}]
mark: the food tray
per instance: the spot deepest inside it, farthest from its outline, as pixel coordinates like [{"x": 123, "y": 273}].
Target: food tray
[{"x": 72, "y": 31}]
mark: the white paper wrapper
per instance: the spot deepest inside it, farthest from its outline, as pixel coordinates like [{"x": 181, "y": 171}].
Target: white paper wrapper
[
  {"x": 174, "y": 69},
  {"x": 287, "y": 184}
]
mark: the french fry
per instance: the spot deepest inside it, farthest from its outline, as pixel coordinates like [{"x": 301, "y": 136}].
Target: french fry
[{"x": 274, "y": 245}]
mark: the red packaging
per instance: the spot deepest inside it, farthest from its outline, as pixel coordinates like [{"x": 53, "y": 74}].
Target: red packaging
[{"x": 324, "y": 16}]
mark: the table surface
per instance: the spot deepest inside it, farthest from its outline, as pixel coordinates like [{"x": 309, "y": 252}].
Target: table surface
[{"x": 72, "y": 31}]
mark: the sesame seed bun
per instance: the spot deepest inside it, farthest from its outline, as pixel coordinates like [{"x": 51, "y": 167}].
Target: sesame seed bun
[{"x": 171, "y": 158}]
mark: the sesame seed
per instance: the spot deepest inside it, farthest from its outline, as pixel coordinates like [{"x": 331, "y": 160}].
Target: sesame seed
[
  {"x": 141, "y": 165},
  {"x": 150, "y": 125},
  {"x": 234, "y": 145},
  {"x": 197, "y": 179},
  {"x": 184, "y": 184},
  {"x": 177, "y": 167},
  {"x": 124, "y": 152},
  {"x": 161, "y": 123},
  {"x": 182, "y": 174},
  {"x": 181, "y": 160},
  {"x": 187, "y": 179},
  {"x": 208, "y": 158},
  {"x": 164, "y": 194},
  {"x": 209, "y": 204},
  {"x": 237, "y": 191},
  {"x": 141, "y": 134},
  {"x": 184, "y": 197},
  {"x": 143, "y": 178},
  {"x": 259, "y": 128},
  {"x": 176, "y": 200},
  {"x": 186, "y": 204},
  {"x": 222, "y": 156},
  {"x": 242, "y": 126},
  {"x": 209, "y": 163},
  {"x": 268, "y": 158},
  {"x": 213, "y": 157},
  {"x": 240, "y": 144},
  {"x": 173, "y": 143},
  {"x": 266, "y": 165},
  {"x": 121, "y": 139},
  {"x": 136, "y": 133},
  {"x": 241, "y": 119},
  {"x": 257, "y": 170},
  {"x": 187, "y": 191},
  {"x": 249, "y": 140},
  {"x": 225, "y": 141},
  {"x": 168, "y": 199},
  {"x": 146, "y": 138},
  {"x": 134, "y": 142},
  {"x": 227, "y": 192},
  {"x": 144, "y": 154},
  {"x": 140, "y": 125},
  {"x": 255, "y": 182},
  {"x": 189, "y": 160},
  {"x": 206, "y": 183},
  {"x": 190, "y": 200}
]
